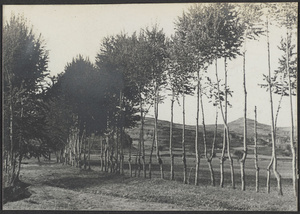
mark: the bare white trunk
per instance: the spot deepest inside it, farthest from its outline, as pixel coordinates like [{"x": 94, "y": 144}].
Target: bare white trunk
[
  {"x": 276, "y": 173},
  {"x": 255, "y": 153}
]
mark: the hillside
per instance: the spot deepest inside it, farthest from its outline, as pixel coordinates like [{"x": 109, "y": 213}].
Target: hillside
[
  {"x": 236, "y": 133},
  {"x": 263, "y": 130}
]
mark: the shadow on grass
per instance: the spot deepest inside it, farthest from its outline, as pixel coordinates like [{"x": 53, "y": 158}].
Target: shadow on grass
[
  {"x": 17, "y": 192},
  {"x": 85, "y": 181},
  {"x": 204, "y": 175}
]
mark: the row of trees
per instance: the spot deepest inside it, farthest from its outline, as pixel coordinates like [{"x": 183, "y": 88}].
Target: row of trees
[
  {"x": 130, "y": 75},
  {"x": 24, "y": 71}
]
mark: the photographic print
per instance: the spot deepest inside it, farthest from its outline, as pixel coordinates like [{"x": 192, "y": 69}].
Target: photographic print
[{"x": 150, "y": 107}]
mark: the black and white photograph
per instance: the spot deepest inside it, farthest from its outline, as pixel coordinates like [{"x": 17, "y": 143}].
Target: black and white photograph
[{"x": 150, "y": 106}]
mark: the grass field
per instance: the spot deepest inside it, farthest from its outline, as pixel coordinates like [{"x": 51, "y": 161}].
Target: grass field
[{"x": 54, "y": 186}]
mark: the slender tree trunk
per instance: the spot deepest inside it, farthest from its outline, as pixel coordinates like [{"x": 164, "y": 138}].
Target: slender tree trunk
[
  {"x": 255, "y": 153},
  {"x": 222, "y": 158},
  {"x": 225, "y": 111},
  {"x": 19, "y": 168},
  {"x": 230, "y": 159},
  {"x": 65, "y": 155},
  {"x": 122, "y": 150},
  {"x": 139, "y": 153},
  {"x": 189, "y": 175},
  {"x": 11, "y": 154},
  {"x": 197, "y": 133},
  {"x": 77, "y": 151},
  {"x": 293, "y": 150},
  {"x": 151, "y": 152},
  {"x": 89, "y": 154},
  {"x": 57, "y": 156},
  {"x": 227, "y": 134},
  {"x": 212, "y": 176},
  {"x": 227, "y": 130},
  {"x": 171, "y": 139},
  {"x": 106, "y": 154},
  {"x": 269, "y": 174},
  {"x": 61, "y": 155},
  {"x": 101, "y": 155},
  {"x": 208, "y": 159},
  {"x": 136, "y": 162},
  {"x": 6, "y": 161},
  {"x": 129, "y": 159},
  {"x": 142, "y": 138},
  {"x": 112, "y": 162},
  {"x": 276, "y": 173},
  {"x": 183, "y": 141},
  {"x": 111, "y": 154},
  {"x": 122, "y": 131},
  {"x": 243, "y": 159},
  {"x": 138, "y": 157},
  {"x": 81, "y": 142},
  {"x": 117, "y": 141},
  {"x": 20, "y": 145},
  {"x": 278, "y": 177},
  {"x": 84, "y": 154},
  {"x": 156, "y": 133}
]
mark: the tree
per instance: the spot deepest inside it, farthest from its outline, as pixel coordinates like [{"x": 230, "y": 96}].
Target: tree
[
  {"x": 191, "y": 27},
  {"x": 25, "y": 62},
  {"x": 211, "y": 91},
  {"x": 255, "y": 153},
  {"x": 156, "y": 50},
  {"x": 228, "y": 32},
  {"x": 274, "y": 157},
  {"x": 230, "y": 35},
  {"x": 58, "y": 121},
  {"x": 120, "y": 57},
  {"x": 219, "y": 36},
  {"x": 280, "y": 82},
  {"x": 288, "y": 17},
  {"x": 172, "y": 83},
  {"x": 186, "y": 62},
  {"x": 179, "y": 78},
  {"x": 214, "y": 32},
  {"x": 250, "y": 16},
  {"x": 88, "y": 104},
  {"x": 140, "y": 76}
]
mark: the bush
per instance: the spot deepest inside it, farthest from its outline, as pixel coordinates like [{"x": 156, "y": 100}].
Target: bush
[
  {"x": 288, "y": 147},
  {"x": 238, "y": 154},
  {"x": 286, "y": 153}
]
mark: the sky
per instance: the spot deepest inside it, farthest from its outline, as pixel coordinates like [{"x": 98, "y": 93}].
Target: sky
[{"x": 70, "y": 30}]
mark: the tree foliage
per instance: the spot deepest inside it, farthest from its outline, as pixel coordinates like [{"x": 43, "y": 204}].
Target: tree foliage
[{"x": 25, "y": 62}]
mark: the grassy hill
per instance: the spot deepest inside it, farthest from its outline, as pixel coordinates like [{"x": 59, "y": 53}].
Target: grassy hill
[{"x": 236, "y": 133}]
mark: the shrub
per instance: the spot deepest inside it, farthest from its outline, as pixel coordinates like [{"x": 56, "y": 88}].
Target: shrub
[
  {"x": 238, "y": 153},
  {"x": 286, "y": 153}
]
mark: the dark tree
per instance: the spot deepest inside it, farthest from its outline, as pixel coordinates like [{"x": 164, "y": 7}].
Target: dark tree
[{"x": 25, "y": 62}]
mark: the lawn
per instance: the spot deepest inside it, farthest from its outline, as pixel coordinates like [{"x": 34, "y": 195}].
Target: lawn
[{"x": 54, "y": 186}]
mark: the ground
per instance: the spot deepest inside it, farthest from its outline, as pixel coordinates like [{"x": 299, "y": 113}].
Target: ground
[{"x": 54, "y": 186}]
